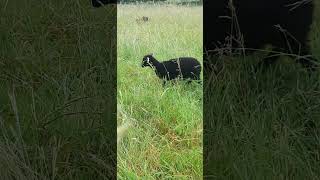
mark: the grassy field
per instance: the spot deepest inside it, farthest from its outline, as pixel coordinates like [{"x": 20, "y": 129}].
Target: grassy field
[
  {"x": 263, "y": 125},
  {"x": 57, "y": 90},
  {"x": 57, "y": 100},
  {"x": 166, "y": 139}
]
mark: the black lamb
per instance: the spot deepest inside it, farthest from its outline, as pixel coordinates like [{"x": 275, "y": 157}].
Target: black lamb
[
  {"x": 185, "y": 68},
  {"x": 252, "y": 24}
]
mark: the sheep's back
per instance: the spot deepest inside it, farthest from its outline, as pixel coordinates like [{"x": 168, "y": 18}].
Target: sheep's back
[{"x": 185, "y": 66}]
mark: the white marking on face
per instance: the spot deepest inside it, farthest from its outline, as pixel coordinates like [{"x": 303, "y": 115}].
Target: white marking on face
[{"x": 148, "y": 60}]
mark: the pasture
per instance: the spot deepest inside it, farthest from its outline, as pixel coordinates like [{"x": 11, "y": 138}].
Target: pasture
[
  {"x": 265, "y": 124},
  {"x": 57, "y": 90},
  {"x": 165, "y": 141}
]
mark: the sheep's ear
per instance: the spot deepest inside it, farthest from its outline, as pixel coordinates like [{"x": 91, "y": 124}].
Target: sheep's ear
[{"x": 151, "y": 54}]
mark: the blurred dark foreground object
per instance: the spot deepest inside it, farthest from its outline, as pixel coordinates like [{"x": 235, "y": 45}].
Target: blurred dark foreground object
[{"x": 98, "y": 3}]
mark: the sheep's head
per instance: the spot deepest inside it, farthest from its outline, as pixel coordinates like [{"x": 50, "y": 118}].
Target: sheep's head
[{"x": 147, "y": 60}]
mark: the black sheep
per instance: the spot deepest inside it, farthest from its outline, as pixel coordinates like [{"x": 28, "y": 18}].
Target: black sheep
[
  {"x": 284, "y": 24},
  {"x": 185, "y": 68}
]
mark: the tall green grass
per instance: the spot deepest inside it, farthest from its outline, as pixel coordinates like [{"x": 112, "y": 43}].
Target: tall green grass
[
  {"x": 57, "y": 90},
  {"x": 165, "y": 141},
  {"x": 263, "y": 125}
]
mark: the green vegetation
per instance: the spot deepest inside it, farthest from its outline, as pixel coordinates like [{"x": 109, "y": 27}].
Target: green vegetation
[
  {"x": 165, "y": 141},
  {"x": 263, "y": 125},
  {"x": 57, "y": 99}
]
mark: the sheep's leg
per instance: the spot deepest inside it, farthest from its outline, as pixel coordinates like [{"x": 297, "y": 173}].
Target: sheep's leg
[
  {"x": 164, "y": 83},
  {"x": 199, "y": 81}
]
